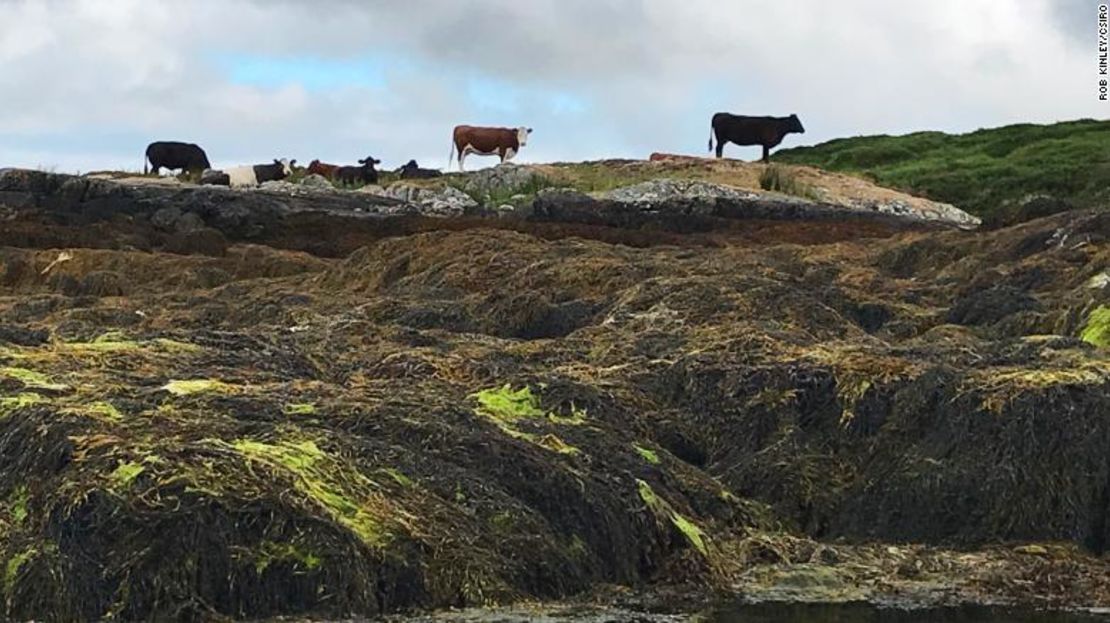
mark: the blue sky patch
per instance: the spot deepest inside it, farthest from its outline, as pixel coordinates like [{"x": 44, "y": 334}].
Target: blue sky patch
[{"x": 312, "y": 73}]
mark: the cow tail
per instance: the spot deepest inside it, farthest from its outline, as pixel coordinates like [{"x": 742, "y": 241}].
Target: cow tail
[
  {"x": 710, "y": 137},
  {"x": 146, "y": 159}
]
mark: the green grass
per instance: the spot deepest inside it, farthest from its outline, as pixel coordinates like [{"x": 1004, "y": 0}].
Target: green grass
[
  {"x": 979, "y": 172},
  {"x": 779, "y": 179}
]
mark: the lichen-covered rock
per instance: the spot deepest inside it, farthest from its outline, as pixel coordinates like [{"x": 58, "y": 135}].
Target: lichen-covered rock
[
  {"x": 445, "y": 201},
  {"x": 318, "y": 182},
  {"x": 708, "y": 198},
  {"x": 661, "y": 190},
  {"x": 502, "y": 179}
]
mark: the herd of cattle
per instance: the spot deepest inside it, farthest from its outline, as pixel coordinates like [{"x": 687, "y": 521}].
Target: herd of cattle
[{"x": 502, "y": 142}]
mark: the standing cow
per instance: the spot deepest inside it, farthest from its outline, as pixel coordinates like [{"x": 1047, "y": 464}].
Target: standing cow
[
  {"x": 505, "y": 142},
  {"x": 251, "y": 174},
  {"x": 175, "y": 155},
  {"x": 364, "y": 173},
  {"x": 322, "y": 168},
  {"x": 765, "y": 131}
]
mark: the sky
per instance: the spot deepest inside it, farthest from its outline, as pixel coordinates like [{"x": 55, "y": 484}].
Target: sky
[{"x": 87, "y": 84}]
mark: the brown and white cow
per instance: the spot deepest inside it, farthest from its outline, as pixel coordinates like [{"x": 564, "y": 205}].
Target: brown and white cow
[{"x": 504, "y": 142}]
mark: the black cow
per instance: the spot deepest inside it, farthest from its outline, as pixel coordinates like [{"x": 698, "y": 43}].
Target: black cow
[
  {"x": 175, "y": 155},
  {"x": 412, "y": 171},
  {"x": 365, "y": 173},
  {"x": 765, "y": 131}
]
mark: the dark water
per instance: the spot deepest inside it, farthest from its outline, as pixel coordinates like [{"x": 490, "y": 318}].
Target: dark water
[{"x": 868, "y": 613}]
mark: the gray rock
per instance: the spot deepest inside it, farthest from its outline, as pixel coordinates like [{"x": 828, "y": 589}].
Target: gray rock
[
  {"x": 503, "y": 178},
  {"x": 316, "y": 181},
  {"x": 165, "y": 218},
  {"x": 372, "y": 189},
  {"x": 697, "y": 197},
  {"x": 446, "y": 201},
  {"x": 188, "y": 222},
  {"x": 660, "y": 190},
  {"x": 281, "y": 186}
]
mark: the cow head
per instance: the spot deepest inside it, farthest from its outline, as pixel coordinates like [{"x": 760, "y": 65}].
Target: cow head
[
  {"x": 411, "y": 164},
  {"x": 522, "y": 135},
  {"x": 286, "y": 166},
  {"x": 795, "y": 124},
  {"x": 369, "y": 162}
]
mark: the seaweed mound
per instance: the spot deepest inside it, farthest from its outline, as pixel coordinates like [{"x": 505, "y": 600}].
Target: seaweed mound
[{"x": 460, "y": 414}]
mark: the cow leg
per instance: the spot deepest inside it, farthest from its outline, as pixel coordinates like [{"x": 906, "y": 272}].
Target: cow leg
[
  {"x": 766, "y": 153},
  {"x": 720, "y": 147},
  {"x": 462, "y": 156}
]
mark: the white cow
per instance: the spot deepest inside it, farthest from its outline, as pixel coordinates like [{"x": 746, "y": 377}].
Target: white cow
[{"x": 255, "y": 174}]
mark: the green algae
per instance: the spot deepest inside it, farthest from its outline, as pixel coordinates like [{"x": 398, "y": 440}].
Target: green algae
[
  {"x": 104, "y": 410},
  {"x": 299, "y": 408},
  {"x": 1097, "y": 329},
  {"x": 32, "y": 379},
  {"x": 18, "y": 505},
  {"x": 320, "y": 480},
  {"x": 10, "y": 404},
  {"x": 196, "y": 386},
  {"x": 648, "y": 455},
  {"x": 126, "y": 473},
  {"x": 14, "y": 564},
  {"x": 505, "y": 405},
  {"x": 663, "y": 509},
  {"x": 271, "y": 552}
]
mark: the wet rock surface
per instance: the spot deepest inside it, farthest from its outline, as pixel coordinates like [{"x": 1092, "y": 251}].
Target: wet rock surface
[{"x": 307, "y": 410}]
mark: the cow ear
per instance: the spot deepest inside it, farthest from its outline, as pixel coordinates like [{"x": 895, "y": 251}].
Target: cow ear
[
  {"x": 529, "y": 130},
  {"x": 293, "y": 162}
]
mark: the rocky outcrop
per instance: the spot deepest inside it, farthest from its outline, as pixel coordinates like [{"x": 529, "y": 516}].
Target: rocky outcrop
[
  {"x": 439, "y": 202},
  {"x": 502, "y": 180},
  {"x": 709, "y": 199}
]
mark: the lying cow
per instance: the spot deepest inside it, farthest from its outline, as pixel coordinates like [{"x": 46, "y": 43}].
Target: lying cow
[
  {"x": 322, "y": 168},
  {"x": 765, "y": 131},
  {"x": 362, "y": 174},
  {"x": 505, "y": 142},
  {"x": 250, "y": 174},
  {"x": 412, "y": 171},
  {"x": 175, "y": 155}
]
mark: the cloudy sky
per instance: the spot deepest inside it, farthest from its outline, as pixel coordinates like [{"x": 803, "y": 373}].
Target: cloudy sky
[{"x": 86, "y": 84}]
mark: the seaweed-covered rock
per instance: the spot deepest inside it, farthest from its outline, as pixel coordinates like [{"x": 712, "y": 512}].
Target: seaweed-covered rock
[
  {"x": 332, "y": 414},
  {"x": 990, "y": 305}
]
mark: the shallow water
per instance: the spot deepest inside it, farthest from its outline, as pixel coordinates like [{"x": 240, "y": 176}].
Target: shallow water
[{"x": 868, "y": 613}]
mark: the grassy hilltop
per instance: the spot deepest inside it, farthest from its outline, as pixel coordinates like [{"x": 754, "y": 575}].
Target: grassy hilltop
[{"x": 982, "y": 171}]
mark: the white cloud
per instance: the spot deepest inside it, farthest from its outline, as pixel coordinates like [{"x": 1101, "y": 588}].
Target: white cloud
[{"x": 643, "y": 76}]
